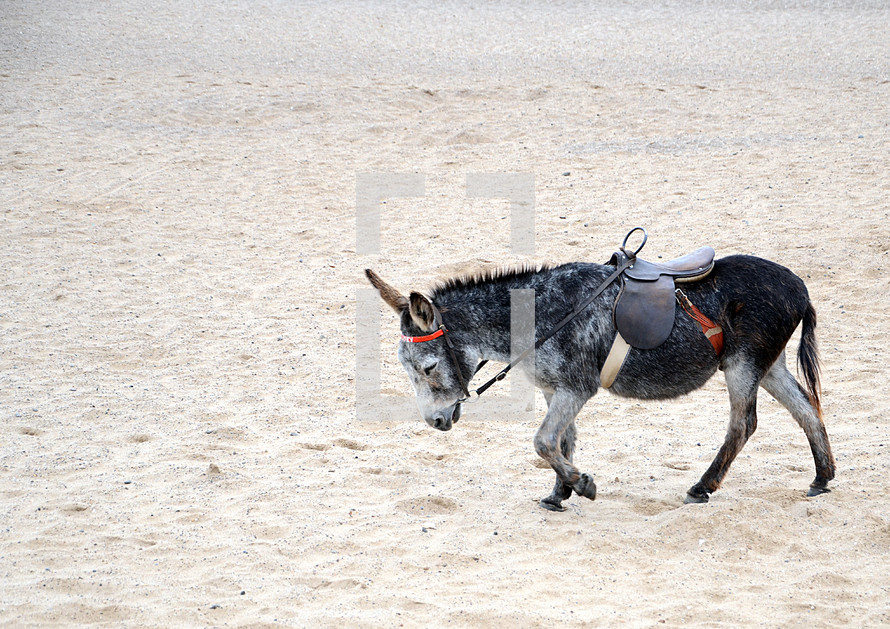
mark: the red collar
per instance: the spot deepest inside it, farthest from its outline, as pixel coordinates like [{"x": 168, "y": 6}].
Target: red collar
[{"x": 421, "y": 339}]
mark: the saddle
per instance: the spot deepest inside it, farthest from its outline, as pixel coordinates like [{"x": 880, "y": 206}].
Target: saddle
[{"x": 645, "y": 309}]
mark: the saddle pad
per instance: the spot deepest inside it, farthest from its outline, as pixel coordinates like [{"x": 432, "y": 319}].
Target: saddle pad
[{"x": 644, "y": 314}]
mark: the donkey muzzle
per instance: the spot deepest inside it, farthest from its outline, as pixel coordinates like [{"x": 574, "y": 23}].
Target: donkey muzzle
[{"x": 443, "y": 420}]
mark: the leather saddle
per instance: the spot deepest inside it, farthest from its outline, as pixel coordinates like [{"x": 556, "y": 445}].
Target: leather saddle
[
  {"x": 646, "y": 306},
  {"x": 644, "y": 312}
]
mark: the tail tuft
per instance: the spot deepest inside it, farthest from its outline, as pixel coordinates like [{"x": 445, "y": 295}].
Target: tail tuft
[{"x": 808, "y": 358}]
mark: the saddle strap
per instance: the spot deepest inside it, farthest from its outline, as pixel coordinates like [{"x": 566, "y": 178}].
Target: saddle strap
[{"x": 712, "y": 331}]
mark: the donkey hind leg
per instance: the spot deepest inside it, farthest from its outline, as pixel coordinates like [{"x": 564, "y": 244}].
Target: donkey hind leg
[
  {"x": 555, "y": 443},
  {"x": 781, "y": 384},
  {"x": 742, "y": 379}
]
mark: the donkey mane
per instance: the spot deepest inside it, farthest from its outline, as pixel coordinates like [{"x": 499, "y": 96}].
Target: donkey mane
[{"x": 474, "y": 279}]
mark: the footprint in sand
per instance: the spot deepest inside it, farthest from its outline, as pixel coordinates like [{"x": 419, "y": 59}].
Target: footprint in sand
[
  {"x": 75, "y": 508},
  {"x": 319, "y": 447},
  {"x": 651, "y": 506},
  {"x": 428, "y": 505},
  {"x": 349, "y": 443}
]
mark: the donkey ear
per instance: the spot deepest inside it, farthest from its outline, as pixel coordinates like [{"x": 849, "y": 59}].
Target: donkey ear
[
  {"x": 389, "y": 294},
  {"x": 422, "y": 312}
]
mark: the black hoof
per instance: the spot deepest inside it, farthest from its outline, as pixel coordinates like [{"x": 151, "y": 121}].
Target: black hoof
[
  {"x": 550, "y": 505},
  {"x": 585, "y": 487},
  {"x": 696, "y": 496},
  {"x": 817, "y": 491}
]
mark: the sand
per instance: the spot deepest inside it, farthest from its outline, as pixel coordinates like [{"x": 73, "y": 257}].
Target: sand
[{"x": 178, "y": 280}]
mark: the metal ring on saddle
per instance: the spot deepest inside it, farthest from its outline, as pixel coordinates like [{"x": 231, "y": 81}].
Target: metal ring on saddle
[{"x": 642, "y": 244}]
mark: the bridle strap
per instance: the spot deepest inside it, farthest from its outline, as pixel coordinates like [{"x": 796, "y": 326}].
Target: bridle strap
[{"x": 464, "y": 383}]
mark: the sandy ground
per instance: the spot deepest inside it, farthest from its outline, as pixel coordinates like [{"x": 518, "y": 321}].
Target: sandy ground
[{"x": 178, "y": 277}]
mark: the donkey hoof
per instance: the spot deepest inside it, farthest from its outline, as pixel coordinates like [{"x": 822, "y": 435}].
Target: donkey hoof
[
  {"x": 817, "y": 491},
  {"x": 585, "y": 487},
  {"x": 551, "y": 505},
  {"x": 696, "y": 496}
]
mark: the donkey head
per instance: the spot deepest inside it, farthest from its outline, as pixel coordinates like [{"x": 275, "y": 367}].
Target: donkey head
[{"x": 425, "y": 356}]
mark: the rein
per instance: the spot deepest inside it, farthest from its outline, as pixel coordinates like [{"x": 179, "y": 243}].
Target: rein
[{"x": 442, "y": 331}]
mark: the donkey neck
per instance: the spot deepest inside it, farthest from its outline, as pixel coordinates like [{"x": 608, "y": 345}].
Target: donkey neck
[{"x": 477, "y": 311}]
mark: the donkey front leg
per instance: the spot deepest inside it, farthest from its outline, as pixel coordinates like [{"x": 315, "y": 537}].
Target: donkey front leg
[
  {"x": 561, "y": 491},
  {"x": 555, "y": 443},
  {"x": 742, "y": 380}
]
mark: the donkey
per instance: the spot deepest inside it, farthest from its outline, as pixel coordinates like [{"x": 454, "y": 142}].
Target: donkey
[{"x": 758, "y": 303}]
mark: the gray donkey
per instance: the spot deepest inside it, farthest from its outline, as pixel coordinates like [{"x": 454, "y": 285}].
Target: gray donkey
[{"x": 757, "y": 303}]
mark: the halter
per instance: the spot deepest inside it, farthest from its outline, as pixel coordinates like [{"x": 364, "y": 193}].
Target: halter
[
  {"x": 424, "y": 339},
  {"x": 443, "y": 332}
]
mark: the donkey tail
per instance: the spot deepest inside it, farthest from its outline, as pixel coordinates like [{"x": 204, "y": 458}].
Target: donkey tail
[{"x": 808, "y": 358}]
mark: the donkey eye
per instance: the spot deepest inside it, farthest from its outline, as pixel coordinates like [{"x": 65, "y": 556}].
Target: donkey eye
[{"x": 429, "y": 368}]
